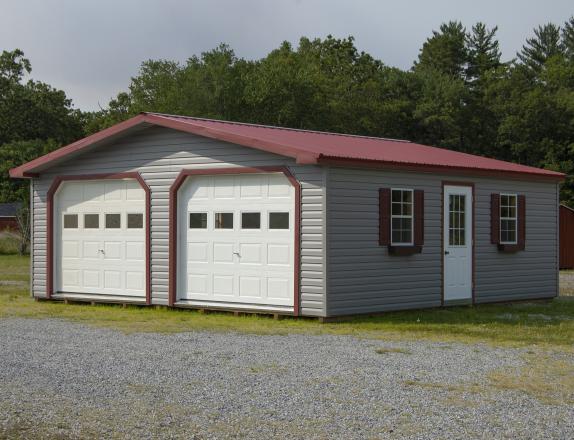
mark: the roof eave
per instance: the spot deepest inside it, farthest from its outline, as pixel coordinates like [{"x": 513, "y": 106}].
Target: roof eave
[{"x": 446, "y": 169}]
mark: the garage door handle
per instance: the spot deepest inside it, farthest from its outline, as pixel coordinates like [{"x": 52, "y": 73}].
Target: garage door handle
[
  {"x": 237, "y": 253},
  {"x": 446, "y": 252},
  {"x": 102, "y": 251}
]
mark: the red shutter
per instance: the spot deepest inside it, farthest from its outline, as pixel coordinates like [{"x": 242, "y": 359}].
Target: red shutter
[
  {"x": 384, "y": 216},
  {"x": 521, "y": 238},
  {"x": 495, "y": 218},
  {"x": 419, "y": 213}
]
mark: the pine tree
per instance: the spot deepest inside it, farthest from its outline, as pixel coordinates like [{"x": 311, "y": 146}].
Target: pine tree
[
  {"x": 568, "y": 38},
  {"x": 483, "y": 51},
  {"x": 445, "y": 51},
  {"x": 544, "y": 45}
]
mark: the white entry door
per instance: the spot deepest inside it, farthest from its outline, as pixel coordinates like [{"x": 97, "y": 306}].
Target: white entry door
[
  {"x": 99, "y": 233},
  {"x": 236, "y": 235},
  {"x": 457, "y": 243}
]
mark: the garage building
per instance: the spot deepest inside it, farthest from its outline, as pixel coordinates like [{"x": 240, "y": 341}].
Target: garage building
[{"x": 189, "y": 212}]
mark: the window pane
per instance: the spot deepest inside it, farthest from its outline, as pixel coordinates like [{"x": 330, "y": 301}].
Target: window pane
[
  {"x": 406, "y": 223},
  {"x": 91, "y": 221},
  {"x": 407, "y": 196},
  {"x": 396, "y": 209},
  {"x": 278, "y": 220},
  {"x": 396, "y": 195},
  {"x": 407, "y": 209},
  {"x": 250, "y": 220},
  {"x": 198, "y": 220},
  {"x": 113, "y": 221},
  {"x": 223, "y": 220},
  {"x": 135, "y": 221},
  {"x": 396, "y": 236},
  {"x": 406, "y": 236},
  {"x": 71, "y": 221}
]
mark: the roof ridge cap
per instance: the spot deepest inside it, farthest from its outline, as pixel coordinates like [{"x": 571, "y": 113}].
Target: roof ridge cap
[{"x": 275, "y": 127}]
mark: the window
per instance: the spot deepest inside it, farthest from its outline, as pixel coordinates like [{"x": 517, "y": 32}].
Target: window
[
  {"x": 70, "y": 221},
  {"x": 402, "y": 217},
  {"x": 91, "y": 221},
  {"x": 250, "y": 220},
  {"x": 508, "y": 218},
  {"x": 223, "y": 220},
  {"x": 456, "y": 222},
  {"x": 198, "y": 220},
  {"x": 135, "y": 221},
  {"x": 113, "y": 221},
  {"x": 278, "y": 220}
]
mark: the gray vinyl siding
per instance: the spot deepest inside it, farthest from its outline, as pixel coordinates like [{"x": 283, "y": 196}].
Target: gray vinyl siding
[
  {"x": 159, "y": 154},
  {"x": 362, "y": 277}
]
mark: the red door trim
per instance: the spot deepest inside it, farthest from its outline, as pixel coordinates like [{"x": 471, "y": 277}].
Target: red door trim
[
  {"x": 58, "y": 180},
  {"x": 173, "y": 191},
  {"x": 442, "y": 235}
]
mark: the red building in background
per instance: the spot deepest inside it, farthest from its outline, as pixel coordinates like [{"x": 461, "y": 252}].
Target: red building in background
[{"x": 566, "y": 237}]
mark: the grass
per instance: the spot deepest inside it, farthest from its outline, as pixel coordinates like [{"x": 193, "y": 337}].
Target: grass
[
  {"x": 9, "y": 243},
  {"x": 547, "y": 378},
  {"x": 387, "y": 350},
  {"x": 547, "y": 324}
]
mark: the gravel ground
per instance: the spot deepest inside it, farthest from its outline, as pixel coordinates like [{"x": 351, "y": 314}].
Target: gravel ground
[{"x": 64, "y": 380}]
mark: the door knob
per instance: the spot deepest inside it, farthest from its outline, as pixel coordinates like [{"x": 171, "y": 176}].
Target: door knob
[{"x": 446, "y": 252}]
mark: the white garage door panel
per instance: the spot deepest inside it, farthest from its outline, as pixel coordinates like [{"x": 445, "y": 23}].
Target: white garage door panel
[
  {"x": 249, "y": 266},
  {"x": 103, "y": 260}
]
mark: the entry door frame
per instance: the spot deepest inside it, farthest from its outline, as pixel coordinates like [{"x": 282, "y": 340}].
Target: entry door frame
[
  {"x": 173, "y": 222},
  {"x": 50, "y": 223},
  {"x": 472, "y": 234}
]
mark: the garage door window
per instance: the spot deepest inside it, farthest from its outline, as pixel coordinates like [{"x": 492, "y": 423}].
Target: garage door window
[
  {"x": 278, "y": 220},
  {"x": 250, "y": 220},
  {"x": 71, "y": 221},
  {"x": 91, "y": 221},
  {"x": 113, "y": 221},
  {"x": 197, "y": 220},
  {"x": 135, "y": 221},
  {"x": 223, "y": 220}
]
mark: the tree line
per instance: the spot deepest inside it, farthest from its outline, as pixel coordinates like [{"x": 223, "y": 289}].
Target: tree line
[{"x": 459, "y": 94}]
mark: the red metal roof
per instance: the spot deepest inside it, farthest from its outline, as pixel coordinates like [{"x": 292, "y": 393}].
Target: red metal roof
[{"x": 308, "y": 147}]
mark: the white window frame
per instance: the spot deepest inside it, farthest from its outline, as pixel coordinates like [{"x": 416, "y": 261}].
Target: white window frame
[
  {"x": 515, "y": 218},
  {"x": 412, "y": 216}
]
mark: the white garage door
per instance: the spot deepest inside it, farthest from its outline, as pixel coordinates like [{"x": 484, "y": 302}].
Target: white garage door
[
  {"x": 238, "y": 236},
  {"x": 100, "y": 238}
]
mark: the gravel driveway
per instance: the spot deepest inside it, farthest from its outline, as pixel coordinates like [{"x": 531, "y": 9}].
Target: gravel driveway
[{"x": 64, "y": 380}]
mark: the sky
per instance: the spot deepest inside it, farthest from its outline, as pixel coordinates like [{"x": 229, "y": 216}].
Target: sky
[{"x": 91, "y": 49}]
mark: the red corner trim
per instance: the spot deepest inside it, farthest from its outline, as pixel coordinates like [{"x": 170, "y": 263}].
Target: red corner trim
[
  {"x": 173, "y": 191},
  {"x": 57, "y": 182}
]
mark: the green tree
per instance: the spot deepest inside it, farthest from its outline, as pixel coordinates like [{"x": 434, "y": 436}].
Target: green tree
[
  {"x": 545, "y": 44},
  {"x": 568, "y": 38},
  {"x": 445, "y": 51},
  {"x": 483, "y": 52}
]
